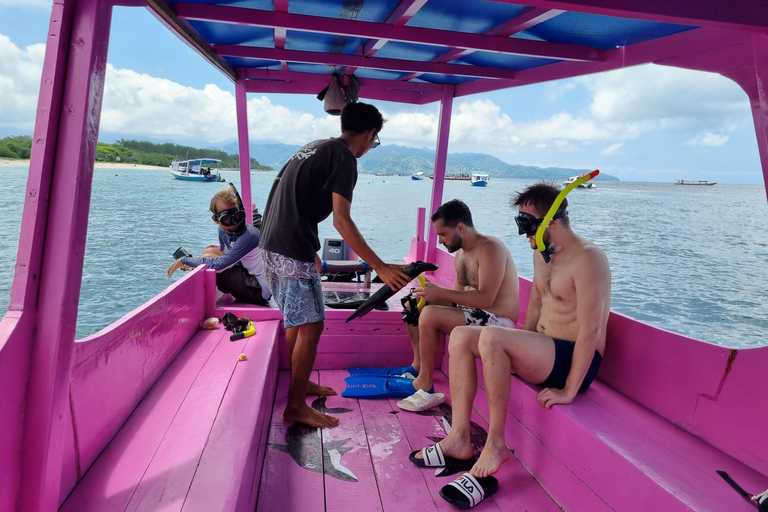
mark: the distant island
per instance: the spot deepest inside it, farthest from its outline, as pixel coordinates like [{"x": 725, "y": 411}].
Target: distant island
[
  {"x": 136, "y": 152},
  {"x": 403, "y": 161},
  {"x": 390, "y": 159}
]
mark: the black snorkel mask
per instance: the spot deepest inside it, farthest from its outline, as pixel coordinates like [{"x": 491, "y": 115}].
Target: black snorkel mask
[
  {"x": 233, "y": 216},
  {"x": 527, "y": 224}
]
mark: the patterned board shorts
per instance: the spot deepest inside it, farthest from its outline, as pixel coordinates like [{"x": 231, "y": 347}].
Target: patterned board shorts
[
  {"x": 296, "y": 288},
  {"x": 477, "y": 316}
]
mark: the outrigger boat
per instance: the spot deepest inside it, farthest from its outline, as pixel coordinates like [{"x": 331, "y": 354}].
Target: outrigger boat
[
  {"x": 200, "y": 169},
  {"x": 155, "y": 413}
]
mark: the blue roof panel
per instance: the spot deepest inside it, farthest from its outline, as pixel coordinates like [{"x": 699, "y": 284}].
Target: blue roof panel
[
  {"x": 463, "y": 16},
  {"x": 497, "y": 60},
  {"x": 605, "y": 32},
  {"x": 227, "y": 33},
  {"x": 361, "y": 10}
]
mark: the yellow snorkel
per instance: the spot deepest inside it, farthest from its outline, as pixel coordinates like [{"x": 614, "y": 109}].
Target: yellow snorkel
[
  {"x": 423, "y": 283},
  {"x": 545, "y": 251}
]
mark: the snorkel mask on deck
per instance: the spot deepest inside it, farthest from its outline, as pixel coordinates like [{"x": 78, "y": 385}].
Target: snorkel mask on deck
[{"x": 552, "y": 214}]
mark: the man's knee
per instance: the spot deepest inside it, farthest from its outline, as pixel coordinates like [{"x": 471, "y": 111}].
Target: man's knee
[
  {"x": 441, "y": 318},
  {"x": 462, "y": 340},
  {"x": 492, "y": 339}
]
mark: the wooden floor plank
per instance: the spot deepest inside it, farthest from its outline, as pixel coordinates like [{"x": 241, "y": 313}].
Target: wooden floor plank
[
  {"x": 292, "y": 479},
  {"x": 424, "y": 429},
  {"x": 518, "y": 490},
  {"x": 166, "y": 482},
  {"x": 350, "y": 483},
  {"x": 401, "y": 483},
  {"x": 112, "y": 479}
]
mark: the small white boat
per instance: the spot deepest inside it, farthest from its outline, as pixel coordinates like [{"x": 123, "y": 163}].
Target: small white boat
[
  {"x": 586, "y": 184},
  {"x": 479, "y": 179},
  {"x": 200, "y": 169},
  {"x": 417, "y": 176}
]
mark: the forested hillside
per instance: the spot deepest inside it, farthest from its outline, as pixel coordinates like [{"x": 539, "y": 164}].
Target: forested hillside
[{"x": 133, "y": 152}]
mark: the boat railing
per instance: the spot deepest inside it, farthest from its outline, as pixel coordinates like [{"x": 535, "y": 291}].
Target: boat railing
[{"x": 138, "y": 348}]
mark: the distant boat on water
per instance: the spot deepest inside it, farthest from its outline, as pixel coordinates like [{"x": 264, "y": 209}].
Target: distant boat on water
[
  {"x": 199, "y": 169},
  {"x": 479, "y": 179},
  {"x": 703, "y": 183},
  {"x": 587, "y": 184},
  {"x": 458, "y": 176},
  {"x": 417, "y": 176}
]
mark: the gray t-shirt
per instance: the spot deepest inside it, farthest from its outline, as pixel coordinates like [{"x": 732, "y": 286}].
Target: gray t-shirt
[{"x": 301, "y": 197}]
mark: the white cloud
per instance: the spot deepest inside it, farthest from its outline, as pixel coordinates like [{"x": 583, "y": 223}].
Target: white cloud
[
  {"x": 20, "y": 71},
  {"x": 713, "y": 139},
  {"x": 137, "y": 104},
  {"x": 658, "y": 97},
  {"x": 703, "y": 108},
  {"x": 613, "y": 149}
]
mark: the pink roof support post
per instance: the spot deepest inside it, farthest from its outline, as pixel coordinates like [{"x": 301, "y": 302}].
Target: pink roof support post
[
  {"x": 760, "y": 104},
  {"x": 241, "y": 102},
  {"x": 64, "y": 159},
  {"x": 441, "y": 157},
  {"x": 16, "y": 326},
  {"x": 421, "y": 219}
]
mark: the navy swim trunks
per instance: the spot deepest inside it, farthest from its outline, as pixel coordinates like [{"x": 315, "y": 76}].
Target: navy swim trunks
[{"x": 563, "y": 358}]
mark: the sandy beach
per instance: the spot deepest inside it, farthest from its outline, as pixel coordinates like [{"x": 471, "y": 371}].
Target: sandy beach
[{"x": 101, "y": 165}]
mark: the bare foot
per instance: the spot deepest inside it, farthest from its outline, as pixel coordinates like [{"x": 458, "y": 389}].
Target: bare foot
[
  {"x": 455, "y": 448},
  {"x": 316, "y": 389},
  {"x": 309, "y": 416},
  {"x": 494, "y": 454}
]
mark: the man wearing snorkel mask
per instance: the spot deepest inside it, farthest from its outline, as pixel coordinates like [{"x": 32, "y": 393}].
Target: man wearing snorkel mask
[
  {"x": 237, "y": 258},
  {"x": 318, "y": 180},
  {"x": 561, "y": 345}
]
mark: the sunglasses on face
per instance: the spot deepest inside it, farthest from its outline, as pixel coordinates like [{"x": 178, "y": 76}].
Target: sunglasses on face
[
  {"x": 527, "y": 224},
  {"x": 376, "y": 142},
  {"x": 231, "y": 217}
]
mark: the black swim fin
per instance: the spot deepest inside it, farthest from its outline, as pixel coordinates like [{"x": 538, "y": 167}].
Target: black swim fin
[{"x": 385, "y": 292}]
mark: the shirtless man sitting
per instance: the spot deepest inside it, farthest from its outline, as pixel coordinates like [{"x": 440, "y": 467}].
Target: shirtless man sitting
[
  {"x": 560, "y": 348},
  {"x": 485, "y": 290}
]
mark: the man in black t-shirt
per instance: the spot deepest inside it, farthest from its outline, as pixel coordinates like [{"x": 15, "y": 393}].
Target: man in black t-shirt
[{"x": 317, "y": 180}]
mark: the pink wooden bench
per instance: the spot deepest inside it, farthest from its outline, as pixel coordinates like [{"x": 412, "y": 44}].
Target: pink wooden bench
[
  {"x": 196, "y": 440},
  {"x": 651, "y": 432}
]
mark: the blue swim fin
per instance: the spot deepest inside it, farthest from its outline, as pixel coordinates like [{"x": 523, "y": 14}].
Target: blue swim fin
[
  {"x": 378, "y": 386},
  {"x": 394, "y": 371}
]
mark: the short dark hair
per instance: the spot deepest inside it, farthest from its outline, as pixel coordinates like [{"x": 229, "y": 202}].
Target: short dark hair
[
  {"x": 540, "y": 195},
  {"x": 361, "y": 117},
  {"x": 453, "y": 212}
]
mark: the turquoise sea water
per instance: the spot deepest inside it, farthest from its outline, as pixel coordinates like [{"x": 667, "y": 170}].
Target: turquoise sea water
[{"x": 693, "y": 260}]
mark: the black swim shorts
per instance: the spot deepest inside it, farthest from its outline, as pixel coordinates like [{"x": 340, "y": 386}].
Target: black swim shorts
[{"x": 563, "y": 358}]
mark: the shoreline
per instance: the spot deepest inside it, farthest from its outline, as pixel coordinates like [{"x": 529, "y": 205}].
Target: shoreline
[{"x": 100, "y": 165}]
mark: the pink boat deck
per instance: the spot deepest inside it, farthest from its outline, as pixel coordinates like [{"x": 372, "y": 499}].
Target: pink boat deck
[{"x": 362, "y": 464}]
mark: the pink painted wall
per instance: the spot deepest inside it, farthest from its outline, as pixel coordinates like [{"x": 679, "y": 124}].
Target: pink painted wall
[
  {"x": 713, "y": 392},
  {"x": 14, "y": 368},
  {"x": 113, "y": 369}
]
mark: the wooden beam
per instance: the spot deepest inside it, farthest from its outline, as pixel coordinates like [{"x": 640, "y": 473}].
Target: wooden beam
[
  {"x": 750, "y": 15},
  {"x": 353, "y": 28},
  {"x": 334, "y": 59},
  {"x": 319, "y": 79}
]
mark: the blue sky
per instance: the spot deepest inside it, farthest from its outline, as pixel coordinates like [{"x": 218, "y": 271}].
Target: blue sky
[{"x": 647, "y": 123}]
